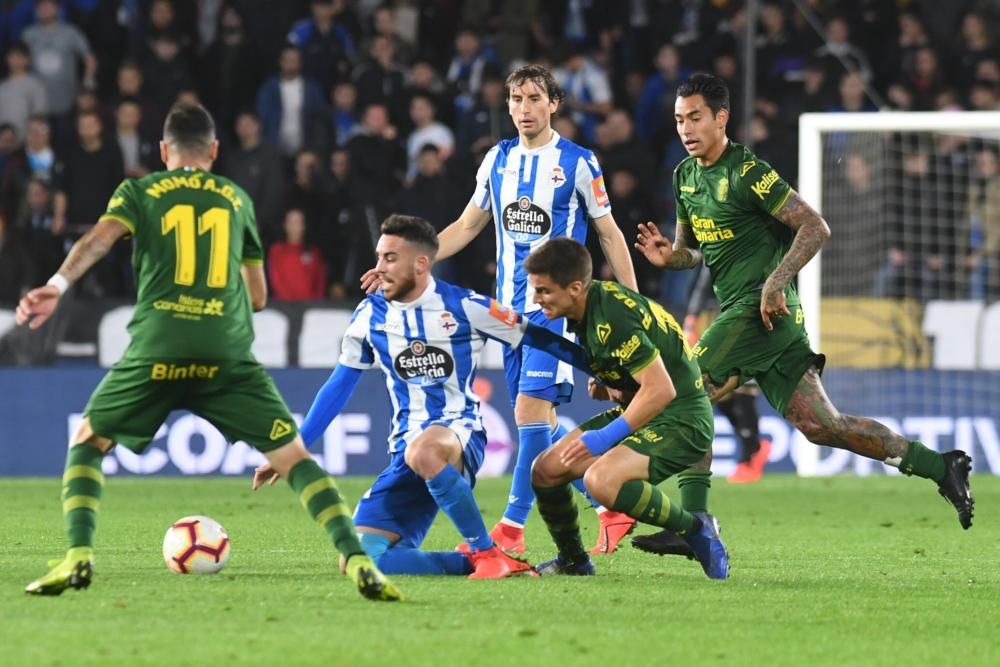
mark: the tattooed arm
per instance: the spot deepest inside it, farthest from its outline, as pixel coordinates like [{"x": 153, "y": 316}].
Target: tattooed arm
[
  {"x": 811, "y": 232},
  {"x": 683, "y": 254},
  {"x": 39, "y": 304}
]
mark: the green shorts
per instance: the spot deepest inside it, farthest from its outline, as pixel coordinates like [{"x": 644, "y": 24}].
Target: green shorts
[
  {"x": 737, "y": 343},
  {"x": 673, "y": 441},
  {"x": 238, "y": 397}
]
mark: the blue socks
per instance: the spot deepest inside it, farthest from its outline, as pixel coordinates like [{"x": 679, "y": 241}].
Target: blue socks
[
  {"x": 454, "y": 496},
  {"x": 399, "y": 559},
  {"x": 532, "y": 440}
]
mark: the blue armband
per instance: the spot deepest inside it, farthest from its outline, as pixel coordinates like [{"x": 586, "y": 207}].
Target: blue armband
[
  {"x": 330, "y": 400},
  {"x": 603, "y": 439}
]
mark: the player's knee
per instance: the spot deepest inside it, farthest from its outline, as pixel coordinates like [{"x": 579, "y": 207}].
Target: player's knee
[
  {"x": 546, "y": 470},
  {"x": 425, "y": 458},
  {"x": 814, "y": 430},
  {"x": 602, "y": 484}
]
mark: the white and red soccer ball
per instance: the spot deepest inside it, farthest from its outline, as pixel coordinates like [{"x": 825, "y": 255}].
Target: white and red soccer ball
[{"x": 196, "y": 545}]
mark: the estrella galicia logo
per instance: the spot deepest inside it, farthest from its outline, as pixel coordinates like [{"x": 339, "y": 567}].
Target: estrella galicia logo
[
  {"x": 423, "y": 364},
  {"x": 526, "y": 222}
]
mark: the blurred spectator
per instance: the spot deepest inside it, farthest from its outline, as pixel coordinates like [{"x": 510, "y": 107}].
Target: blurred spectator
[
  {"x": 378, "y": 80},
  {"x": 927, "y": 79},
  {"x": 384, "y": 25},
  {"x": 852, "y": 95},
  {"x": 423, "y": 79},
  {"x": 654, "y": 117},
  {"x": 230, "y": 70},
  {"x": 161, "y": 21},
  {"x": 347, "y": 247},
  {"x": 344, "y": 113},
  {"x": 129, "y": 86},
  {"x": 632, "y": 208},
  {"x": 568, "y": 129},
  {"x": 984, "y": 95},
  {"x": 838, "y": 53},
  {"x": 980, "y": 240},
  {"x": 855, "y": 213},
  {"x": 22, "y": 94},
  {"x": 974, "y": 45},
  {"x": 57, "y": 50},
  {"x": 779, "y": 52},
  {"x": 488, "y": 121},
  {"x": 465, "y": 73},
  {"x": 427, "y": 131},
  {"x": 17, "y": 271},
  {"x": 296, "y": 269},
  {"x": 40, "y": 158},
  {"x": 431, "y": 195},
  {"x": 307, "y": 193},
  {"x": 13, "y": 168},
  {"x": 290, "y": 107},
  {"x": 139, "y": 155},
  {"x": 624, "y": 152},
  {"x": 256, "y": 166},
  {"x": 165, "y": 71},
  {"x": 326, "y": 43},
  {"x": 588, "y": 92},
  {"x": 377, "y": 159},
  {"x": 912, "y": 37},
  {"x": 36, "y": 223}
]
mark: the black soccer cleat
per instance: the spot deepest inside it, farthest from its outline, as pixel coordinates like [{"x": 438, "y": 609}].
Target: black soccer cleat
[
  {"x": 663, "y": 543},
  {"x": 954, "y": 487}
]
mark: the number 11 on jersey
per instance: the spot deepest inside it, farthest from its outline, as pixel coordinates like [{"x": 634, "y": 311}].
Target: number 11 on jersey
[{"x": 181, "y": 219}]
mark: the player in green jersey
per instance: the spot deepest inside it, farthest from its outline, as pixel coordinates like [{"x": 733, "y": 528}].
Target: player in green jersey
[
  {"x": 199, "y": 272},
  {"x": 662, "y": 426},
  {"x": 755, "y": 233}
]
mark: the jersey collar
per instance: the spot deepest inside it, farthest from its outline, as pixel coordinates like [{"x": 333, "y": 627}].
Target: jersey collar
[
  {"x": 420, "y": 300},
  {"x": 580, "y": 328},
  {"x": 535, "y": 151}
]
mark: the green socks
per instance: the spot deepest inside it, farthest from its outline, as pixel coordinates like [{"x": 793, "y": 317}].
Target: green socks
[
  {"x": 318, "y": 493},
  {"x": 694, "y": 486},
  {"x": 922, "y": 462},
  {"x": 558, "y": 509},
  {"x": 644, "y": 502},
  {"x": 83, "y": 482}
]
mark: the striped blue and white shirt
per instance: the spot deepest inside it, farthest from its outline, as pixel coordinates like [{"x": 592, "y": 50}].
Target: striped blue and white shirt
[
  {"x": 536, "y": 194},
  {"x": 428, "y": 350}
]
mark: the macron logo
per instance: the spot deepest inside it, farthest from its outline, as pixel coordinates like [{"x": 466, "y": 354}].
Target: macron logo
[{"x": 539, "y": 374}]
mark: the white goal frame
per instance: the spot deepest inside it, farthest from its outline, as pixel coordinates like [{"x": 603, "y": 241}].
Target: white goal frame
[{"x": 812, "y": 127}]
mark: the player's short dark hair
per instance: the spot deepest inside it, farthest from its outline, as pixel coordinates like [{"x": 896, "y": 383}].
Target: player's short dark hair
[
  {"x": 190, "y": 128},
  {"x": 538, "y": 75},
  {"x": 713, "y": 89},
  {"x": 412, "y": 229},
  {"x": 562, "y": 259}
]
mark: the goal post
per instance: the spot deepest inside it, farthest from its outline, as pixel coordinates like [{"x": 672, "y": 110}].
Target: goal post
[{"x": 941, "y": 148}]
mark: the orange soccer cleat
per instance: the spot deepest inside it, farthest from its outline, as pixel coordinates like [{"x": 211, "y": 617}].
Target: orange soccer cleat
[
  {"x": 613, "y": 528},
  {"x": 493, "y": 563}
]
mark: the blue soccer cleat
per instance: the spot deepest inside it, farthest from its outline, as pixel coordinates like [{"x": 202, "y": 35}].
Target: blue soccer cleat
[
  {"x": 582, "y": 568},
  {"x": 708, "y": 547}
]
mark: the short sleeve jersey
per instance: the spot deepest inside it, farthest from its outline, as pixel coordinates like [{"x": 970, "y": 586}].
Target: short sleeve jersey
[
  {"x": 623, "y": 332},
  {"x": 536, "y": 194},
  {"x": 730, "y": 206},
  {"x": 192, "y": 232}
]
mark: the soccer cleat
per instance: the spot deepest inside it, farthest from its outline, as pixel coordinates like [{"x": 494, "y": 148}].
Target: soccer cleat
[
  {"x": 744, "y": 474},
  {"x": 954, "y": 487},
  {"x": 708, "y": 547},
  {"x": 663, "y": 543},
  {"x": 494, "y": 563},
  {"x": 613, "y": 528},
  {"x": 370, "y": 581},
  {"x": 758, "y": 460},
  {"x": 508, "y": 538},
  {"x": 74, "y": 571},
  {"x": 582, "y": 568}
]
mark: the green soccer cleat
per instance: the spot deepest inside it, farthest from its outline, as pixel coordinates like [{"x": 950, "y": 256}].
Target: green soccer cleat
[
  {"x": 74, "y": 571},
  {"x": 370, "y": 582}
]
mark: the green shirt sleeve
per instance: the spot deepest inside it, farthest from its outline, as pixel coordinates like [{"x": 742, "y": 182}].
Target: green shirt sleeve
[
  {"x": 761, "y": 187},
  {"x": 253, "y": 251},
  {"x": 627, "y": 341},
  {"x": 683, "y": 216},
  {"x": 124, "y": 205}
]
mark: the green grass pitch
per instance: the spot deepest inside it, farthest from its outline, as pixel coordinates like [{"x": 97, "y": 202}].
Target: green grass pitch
[{"x": 841, "y": 571}]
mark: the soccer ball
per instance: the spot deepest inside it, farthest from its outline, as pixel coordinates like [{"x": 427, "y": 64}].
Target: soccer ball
[{"x": 196, "y": 545}]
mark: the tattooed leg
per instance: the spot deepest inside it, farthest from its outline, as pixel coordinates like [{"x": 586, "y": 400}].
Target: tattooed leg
[{"x": 811, "y": 411}]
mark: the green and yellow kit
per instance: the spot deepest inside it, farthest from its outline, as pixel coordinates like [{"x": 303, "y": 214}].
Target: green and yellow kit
[
  {"x": 623, "y": 332},
  {"x": 730, "y": 207},
  {"x": 192, "y": 328}
]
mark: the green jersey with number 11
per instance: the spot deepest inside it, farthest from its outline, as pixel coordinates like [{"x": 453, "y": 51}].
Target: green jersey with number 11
[{"x": 193, "y": 230}]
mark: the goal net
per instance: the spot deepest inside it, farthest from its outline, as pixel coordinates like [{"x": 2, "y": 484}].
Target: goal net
[{"x": 905, "y": 297}]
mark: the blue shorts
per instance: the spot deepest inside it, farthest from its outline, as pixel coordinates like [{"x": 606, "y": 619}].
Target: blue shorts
[
  {"x": 399, "y": 501},
  {"x": 535, "y": 373}
]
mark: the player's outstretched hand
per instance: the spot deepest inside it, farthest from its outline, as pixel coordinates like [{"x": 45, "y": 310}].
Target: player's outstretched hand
[
  {"x": 653, "y": 245},
  {"x": 772, "y": 305},
  {"x": 37, "y": 306},
  {"x": 264, "y": 474},
  {"x": 573, "y": 453},
  {"x": 370, "y": 281}
]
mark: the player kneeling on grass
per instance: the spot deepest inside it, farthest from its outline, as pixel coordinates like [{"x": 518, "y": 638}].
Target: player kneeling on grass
[
  {"x": 425, "y": 335},
  {"x": 190, "y": 348},
  {"x": 638, "y": 350}
]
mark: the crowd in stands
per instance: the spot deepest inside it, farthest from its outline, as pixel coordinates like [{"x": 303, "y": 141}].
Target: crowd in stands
[{"x": 334, "y": 113}]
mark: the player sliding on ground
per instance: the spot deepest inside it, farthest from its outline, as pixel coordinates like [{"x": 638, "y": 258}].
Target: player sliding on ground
[
  {"x": 663, "y": 425},
  {"x": 199, "y": 271},
  {"x": 426, "y": 336},
  {"x": 755, "y": 233}
]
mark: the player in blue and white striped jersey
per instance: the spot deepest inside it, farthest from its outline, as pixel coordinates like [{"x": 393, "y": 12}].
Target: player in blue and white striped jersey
[
  {"x": 536, "y": 187},
  {"x": 426, "y": 337}
]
